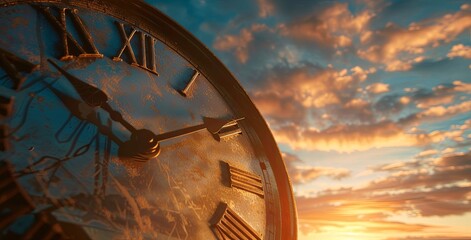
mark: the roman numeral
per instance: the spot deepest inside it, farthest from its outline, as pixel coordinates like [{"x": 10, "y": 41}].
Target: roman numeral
[
  {"x": 14, "y": 201},
  {"x": 4, "y": 143},
  {"x": 13, "y": 66},
  {"x": 6, "y": 106},
  {"x": 186, "y": 91},
  {"x": 232, "y": 226},
  {"x": 146, "y": 44},
  {"x": 72, "y": 47},
  {"x": 246, "y": 181}
]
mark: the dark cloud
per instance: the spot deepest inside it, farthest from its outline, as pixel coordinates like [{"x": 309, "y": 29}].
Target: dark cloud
[
  {"x": 423, "y": 98},
  {"x": 293, "y": 9},
  {"x": 390, "y": 104}
]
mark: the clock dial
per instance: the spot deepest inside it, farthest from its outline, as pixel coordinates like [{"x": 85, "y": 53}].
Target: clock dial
[{"x": 117, "y": 127}]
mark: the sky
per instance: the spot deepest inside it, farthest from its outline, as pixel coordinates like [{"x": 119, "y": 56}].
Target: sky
[{"x": 369, "y": 101}]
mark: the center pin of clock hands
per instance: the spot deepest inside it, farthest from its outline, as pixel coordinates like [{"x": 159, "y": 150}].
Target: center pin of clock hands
[{"x": 143, "y": 144}]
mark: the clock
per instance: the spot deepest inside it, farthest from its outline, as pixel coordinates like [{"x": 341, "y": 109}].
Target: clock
[{"x": 116, "y": 123}]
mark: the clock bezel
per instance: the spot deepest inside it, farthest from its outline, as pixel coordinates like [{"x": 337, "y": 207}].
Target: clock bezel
[{"x": 206, "y": 63}]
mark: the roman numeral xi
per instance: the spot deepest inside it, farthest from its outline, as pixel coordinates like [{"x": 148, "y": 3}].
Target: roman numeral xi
[{"x": 85, "y": 48}]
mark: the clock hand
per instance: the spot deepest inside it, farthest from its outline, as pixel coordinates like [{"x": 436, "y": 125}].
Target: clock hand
[
  {"x": 145, "y": 145},
  {"x": 93, "y": 96},
  {"x": 213, "y": 125},
  {"x": 85, "y": 112}
]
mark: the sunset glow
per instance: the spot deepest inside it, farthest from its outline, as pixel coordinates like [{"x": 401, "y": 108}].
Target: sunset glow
[{"x": 369, "y": 101}]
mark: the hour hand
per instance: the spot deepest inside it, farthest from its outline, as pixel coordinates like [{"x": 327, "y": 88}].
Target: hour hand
[{"x": 93, "y": 96}]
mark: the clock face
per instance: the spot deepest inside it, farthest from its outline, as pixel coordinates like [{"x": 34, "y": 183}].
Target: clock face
[{"x": 117, "y": 124}]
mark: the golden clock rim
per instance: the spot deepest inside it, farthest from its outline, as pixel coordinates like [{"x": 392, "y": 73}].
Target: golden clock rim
[{"x": 159, "y": 25}]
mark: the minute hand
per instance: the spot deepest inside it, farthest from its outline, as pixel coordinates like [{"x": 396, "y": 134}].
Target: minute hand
[{"x": 211, "y": 124}]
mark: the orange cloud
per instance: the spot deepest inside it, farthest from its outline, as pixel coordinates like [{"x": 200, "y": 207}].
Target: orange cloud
[
  {"x": 265, "y": 7},
  {"x": 312, "y": 86},
  {"x": 288, "y": 94},
  {"x": 441, "y": 111},
  {"x": 335, "y": 26},
  {"x": 239, "y": 43},
  {"x": 303, "y": 174},
  {"x": 279, "y": 108},
  {"x": 462, "y": 87},
  {"x": 347, "y": 138},
  {"x": 460, "y": 50},
  {"x": 378, "y": 88},
  {"x": 398, "y": 48},
  {"x": 439, "y": 95},
  {"x": 416, "y": 188}
]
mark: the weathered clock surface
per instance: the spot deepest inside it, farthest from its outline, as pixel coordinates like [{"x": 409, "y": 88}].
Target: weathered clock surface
[{"x": 115, "y": 123}]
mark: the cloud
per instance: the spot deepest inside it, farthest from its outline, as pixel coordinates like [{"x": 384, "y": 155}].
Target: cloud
[
  {"x": 288, "y": 93},
  {"x": 334, "y": 26},
  {"x": 436, "y": 113},
  {"x": 440, "y": 95},
  {"x": 265, "y": 7},
  {"x": 239, "y": 44},
  {"x": 460, "y": 50},
  {"x": 398, "y": 48},
  {"x": 302, "y": 174},
  {"x": 346, "y": 138},
  {"x": 391, "y": 104},
  {"x": 416, "y": 188},
  {"x": 310, "y": 174},
  {"x": 423, "y": 98},
  {"x": 342, "y": 137},
  {"x": 279, "y": 109},
  {"x": 377, "y": 88},
  {"x": 427, "y": 153},
  {"x": 431, "y": 238}
]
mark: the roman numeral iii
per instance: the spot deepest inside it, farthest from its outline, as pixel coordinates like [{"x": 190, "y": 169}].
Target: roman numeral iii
[{"x": 246, "y": 181}]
